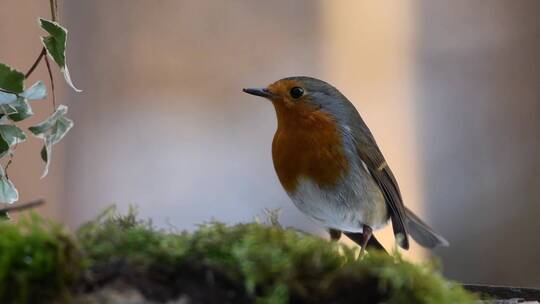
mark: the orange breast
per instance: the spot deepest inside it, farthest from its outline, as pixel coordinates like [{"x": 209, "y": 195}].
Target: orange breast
[{"x": 307, "y": 144}]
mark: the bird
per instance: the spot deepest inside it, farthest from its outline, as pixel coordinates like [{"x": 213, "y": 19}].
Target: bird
[{"x": 332, "y": 169}]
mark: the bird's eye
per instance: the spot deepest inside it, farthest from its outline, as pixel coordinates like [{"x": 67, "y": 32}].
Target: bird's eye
[{"x": 296, "y": 92}]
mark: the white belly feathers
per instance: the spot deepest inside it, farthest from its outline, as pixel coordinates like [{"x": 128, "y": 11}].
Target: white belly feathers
[{"x": 355, "y": 200}]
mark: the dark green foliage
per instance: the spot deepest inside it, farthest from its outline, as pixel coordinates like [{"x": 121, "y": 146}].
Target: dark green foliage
[
  {"x": 38, "y": 262},
  {"x": 55, "y": 43},
  {"x": 11, "y": 79}
]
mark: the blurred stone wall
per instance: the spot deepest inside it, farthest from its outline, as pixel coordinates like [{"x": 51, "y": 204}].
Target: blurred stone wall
[
  {"x": 163, "y": 123},
  {"x": 478, "y": 86}
]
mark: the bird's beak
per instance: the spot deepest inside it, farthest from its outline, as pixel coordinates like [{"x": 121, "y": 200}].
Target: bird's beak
[{"x": 262, "y": 92}]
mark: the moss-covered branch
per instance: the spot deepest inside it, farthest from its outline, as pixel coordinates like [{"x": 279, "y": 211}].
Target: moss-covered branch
[{"x": 246, "y": 263}]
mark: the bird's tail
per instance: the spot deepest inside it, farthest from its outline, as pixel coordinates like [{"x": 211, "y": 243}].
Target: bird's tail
[{"x": 422, "y": 233}]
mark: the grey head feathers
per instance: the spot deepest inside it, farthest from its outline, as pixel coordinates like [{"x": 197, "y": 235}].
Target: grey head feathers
[{"x": 325, "y": 96}]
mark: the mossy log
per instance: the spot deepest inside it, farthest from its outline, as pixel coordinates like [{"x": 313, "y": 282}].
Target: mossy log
[{"x": 122, "y": 259}]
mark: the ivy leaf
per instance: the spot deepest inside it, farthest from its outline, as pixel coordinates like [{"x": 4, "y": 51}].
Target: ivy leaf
[
  {"x": 8, "y": 192},
  {"x": 20, "y": 110},
  {"x": 7, "y": 98},
  {"x": 52, "y": 130},
  {"x": 55, "y": 44},
  {"x": 11, "y": 79},
  {"x": 4, "y": 148},
  {"x": 37, "y": 91},
  {"x": 48, "y": 124},
  {"x": 21, "y": 106},
  {"x": 10, "y": 135},
  {"x": 17, "y": 107},
  {"x": 8, "y": 109}
]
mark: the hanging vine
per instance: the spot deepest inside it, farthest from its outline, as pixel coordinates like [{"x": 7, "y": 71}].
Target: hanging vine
[{"x": 15, "y": 105}]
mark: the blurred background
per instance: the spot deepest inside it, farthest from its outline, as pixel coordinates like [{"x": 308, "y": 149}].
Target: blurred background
[{"x": 450, "y": 89}]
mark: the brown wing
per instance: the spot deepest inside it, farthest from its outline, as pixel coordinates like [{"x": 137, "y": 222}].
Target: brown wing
[{"x": 371, "y": 155}]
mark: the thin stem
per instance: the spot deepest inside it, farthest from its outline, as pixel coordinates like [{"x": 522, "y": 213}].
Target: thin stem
[
  {"x": 52, "y": 83},
  {"x": 36, "y": 63},
  {"x": 54, "y": 9},
  {"x": 22, "y": 206},
  {"x": 43, "y": 52},
  {"x": 11, "y": 155},
  {"x": 7, "y": 167},
  {"x": 54, "y": 15}
]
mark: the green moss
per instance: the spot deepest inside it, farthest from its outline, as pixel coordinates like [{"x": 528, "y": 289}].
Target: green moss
[
  {"x": 112, "y": 237},
  {"x": 275, "y": 265},
  {"x": 243, "y": 263},
  {"x": 38, "y": 261},
  {"x": 279, "y": 264}
]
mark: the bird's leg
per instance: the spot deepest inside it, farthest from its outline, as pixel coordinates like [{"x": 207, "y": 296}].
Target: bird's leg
[
  {"x": 335, "y": 235},
  {"x": 366, "y": 235},
  {"x": 358, "y": 237}
]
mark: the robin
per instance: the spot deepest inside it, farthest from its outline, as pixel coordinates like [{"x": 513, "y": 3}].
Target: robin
[{"x": 329, "y": 164}]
